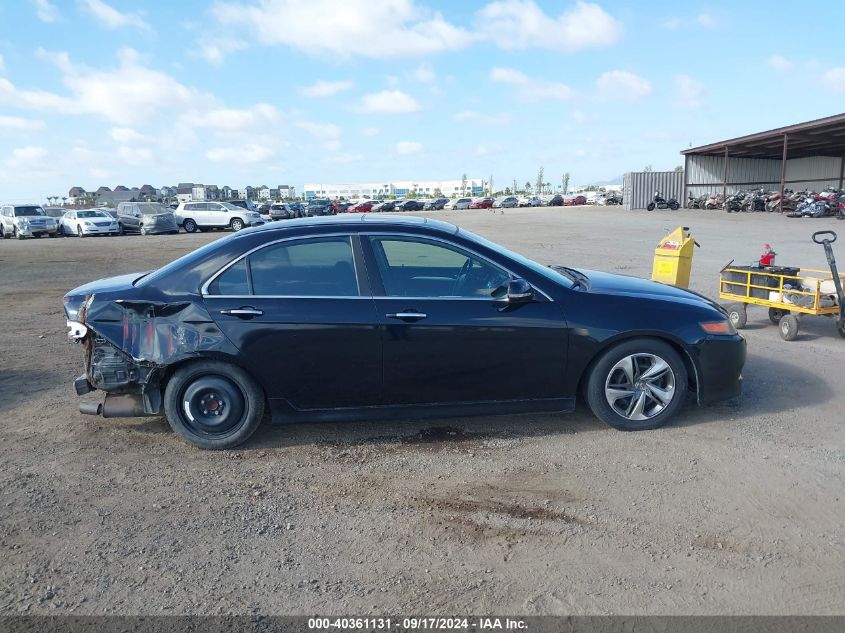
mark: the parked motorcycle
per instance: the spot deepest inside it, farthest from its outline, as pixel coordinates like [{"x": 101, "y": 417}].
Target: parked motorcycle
[{"x": 659, "y": 202}]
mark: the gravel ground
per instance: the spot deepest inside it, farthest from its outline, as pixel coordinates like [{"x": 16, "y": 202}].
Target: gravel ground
[{"x": 735, "y": 508}]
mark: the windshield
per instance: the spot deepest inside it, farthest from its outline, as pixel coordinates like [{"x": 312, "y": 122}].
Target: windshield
[
  {"x": 231, "y": 207},
  {"x": 546, "y": 272},
  {"x": 24, "y": 211},
  {"x": 92, "y": 214}
]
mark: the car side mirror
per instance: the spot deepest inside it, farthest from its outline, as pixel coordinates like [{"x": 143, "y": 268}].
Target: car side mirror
[{"x": 519, "y": 291}]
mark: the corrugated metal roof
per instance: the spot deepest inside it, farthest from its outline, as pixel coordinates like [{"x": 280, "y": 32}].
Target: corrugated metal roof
[{"x": 820, "y": 137}]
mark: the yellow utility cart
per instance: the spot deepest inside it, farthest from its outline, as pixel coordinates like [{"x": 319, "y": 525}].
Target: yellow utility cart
[
  {"x": 789, "y": 293},
  {"x": 673, "y": 258}
]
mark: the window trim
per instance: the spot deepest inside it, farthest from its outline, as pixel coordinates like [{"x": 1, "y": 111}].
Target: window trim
[
  {"x": 368, "y": 234},
  {"x": 349, "y": 236}
]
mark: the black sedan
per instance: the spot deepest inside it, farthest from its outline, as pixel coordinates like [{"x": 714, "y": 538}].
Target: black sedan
[{"x": 364, "y": 316}]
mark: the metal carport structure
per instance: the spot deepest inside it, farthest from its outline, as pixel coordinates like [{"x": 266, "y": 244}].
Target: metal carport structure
[{"x": 801, "y": 155}]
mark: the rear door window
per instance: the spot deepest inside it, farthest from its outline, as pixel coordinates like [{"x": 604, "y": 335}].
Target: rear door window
[{"x": 316, "y": 267}]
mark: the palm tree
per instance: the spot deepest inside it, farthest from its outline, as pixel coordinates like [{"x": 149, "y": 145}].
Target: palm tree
[
  {"x": 527, "y": 186},
  {"x": 64, "y": 200}
]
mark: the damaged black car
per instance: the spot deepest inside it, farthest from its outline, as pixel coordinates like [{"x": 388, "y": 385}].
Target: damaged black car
[{"x": 366, "y": 316}]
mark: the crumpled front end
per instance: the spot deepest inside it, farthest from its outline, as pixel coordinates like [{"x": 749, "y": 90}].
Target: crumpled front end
[{"x": 130, "y": 346}]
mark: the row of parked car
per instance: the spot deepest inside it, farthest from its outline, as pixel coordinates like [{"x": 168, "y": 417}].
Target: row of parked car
[{"x": 146, "y": 218}]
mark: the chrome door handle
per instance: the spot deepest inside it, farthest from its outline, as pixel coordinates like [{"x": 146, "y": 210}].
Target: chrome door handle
[
  {"x": 407, "y": 316},
  {"x": 243, "y": 312}
]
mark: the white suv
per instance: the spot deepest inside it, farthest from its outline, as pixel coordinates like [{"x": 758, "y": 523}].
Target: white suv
[
  {"x": 26, "y": 220},
  {"x": 193, "y": 216}
]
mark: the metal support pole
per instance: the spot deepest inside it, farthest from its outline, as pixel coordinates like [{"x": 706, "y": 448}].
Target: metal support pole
[
  {"x": 841, "y": 171},
  {"x": 725, "y": 180},
  {"x": 686, "y": 171},
  {"x": 783, "y": 169}
]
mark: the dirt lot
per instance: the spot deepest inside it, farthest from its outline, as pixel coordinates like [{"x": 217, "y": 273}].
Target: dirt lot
[{"x": 735, "y": 508}]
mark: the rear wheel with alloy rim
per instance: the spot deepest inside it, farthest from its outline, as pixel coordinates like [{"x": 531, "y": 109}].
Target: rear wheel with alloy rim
[
  {"x": 189, "y": 225},
  {"x": 637, "y": 385},
  {"x": 213, "y": 404},
  {"x": 237, "y": 224}
]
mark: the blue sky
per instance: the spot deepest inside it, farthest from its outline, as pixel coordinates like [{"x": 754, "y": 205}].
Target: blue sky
[{"x": 240, "y": 92}]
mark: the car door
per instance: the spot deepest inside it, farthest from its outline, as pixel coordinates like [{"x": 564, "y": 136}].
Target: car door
[
  {"x": 449, "y": 336},
  {"x": 301, "y": 312}
]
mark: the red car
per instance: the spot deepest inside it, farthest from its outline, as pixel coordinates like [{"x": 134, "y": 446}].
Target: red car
[
  {"x": 481, "y": 203},
  {"x": 573, "y": 200},
  {"x": 362, "y": 207}
]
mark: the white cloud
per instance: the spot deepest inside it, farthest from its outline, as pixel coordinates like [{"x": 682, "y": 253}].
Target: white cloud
[
  {"x": 531, "y": 89},
  {"x": 125, "y": 95},
  {"x": 485, "y": 149},
  {"x": 135, "y": 156},
  {"x": 778, "y": 62},
  {"x": 369, "y": 131},
  {"x": 690, "y": 92},
  {"x": 346, "y": 28},
  {"x": 215, "y": 49},
  {"x": 424, "y": 74},
  {"x": 388, "y": 102},
  {"x": 835, "y": 79},
  {"x": 234, "y": 154},
  {"x": 45, "y": 10},
  {"x": 343, "y": 159},
  {"x": 110, "y": 17},
  {"x": 125, "y": 135},
  {"x": 706, "y": 20},
  {"x": 520, "y": 24},
  {"x": 405, "y": 148},
  {"x": 620, "y": 83},
  {"x": 30, "y": 158},
  {"x": 325, "y": 88},
  {"x": 18, "y": 123},
  {"x": 233, "y": 119},
  {"x": 328, "y": 133},
  {"x": 672, "y": 23},
  {"x": 484, "y": 119},
  {"x": 2, "y": 64}
]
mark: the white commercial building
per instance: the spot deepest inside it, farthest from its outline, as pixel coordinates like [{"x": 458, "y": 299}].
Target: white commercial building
[{"x": 399, "y": 188}]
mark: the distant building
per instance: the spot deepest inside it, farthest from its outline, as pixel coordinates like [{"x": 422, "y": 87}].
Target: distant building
[
  {"x": 400, "y": 188},
  {"x": 287, "y": 191},
  {"x": 76, "y": 195},
  {"x": 264, "y": 192}
]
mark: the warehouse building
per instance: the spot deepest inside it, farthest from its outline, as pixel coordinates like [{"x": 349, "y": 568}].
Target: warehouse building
[{"x": 807, "y": 155}]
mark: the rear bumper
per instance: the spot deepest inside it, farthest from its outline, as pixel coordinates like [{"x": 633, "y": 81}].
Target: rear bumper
[{"x": 719, "y": 366}]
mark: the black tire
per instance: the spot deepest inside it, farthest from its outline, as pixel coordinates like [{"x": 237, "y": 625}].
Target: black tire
[
  {"x": 189, "y": 225},
  {"x": 671, "y": 380},
  {"x": 840, "y": 327},
  {"x": 776, "y": 314},
  {"x": 61, "y": 231},
  {"x": 236, "y": 224},
  {"x": 650, "y": 206},
  {"x": 3, "y": 233},
  {"x": 120, "y": 230},
  {"x": 674, "y": 206},
  {"x": 235, "y": 404},
  {"x": 142, "y": 230},
  {"x": 79, "y": 232},
  {"x": 788, "y": 327},
  {"x": 738, "y": 316}
]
